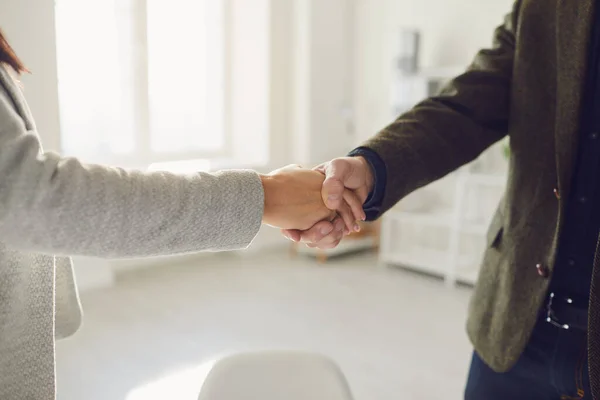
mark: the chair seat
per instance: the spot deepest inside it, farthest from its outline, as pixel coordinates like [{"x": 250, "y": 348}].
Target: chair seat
[{"x": 275, "y": 375}]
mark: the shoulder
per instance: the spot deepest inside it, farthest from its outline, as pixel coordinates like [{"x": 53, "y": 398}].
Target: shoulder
[{"x": 10, "y": 117}]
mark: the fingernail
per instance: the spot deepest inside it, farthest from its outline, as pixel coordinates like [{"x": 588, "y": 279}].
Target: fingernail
[
  {"x": 326, "y": 230},
  {"x": 333, "y": 197},
  {"x": 356, "y": 228}
]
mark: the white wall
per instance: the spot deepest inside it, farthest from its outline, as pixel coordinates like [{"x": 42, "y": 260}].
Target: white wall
[
  {"x": 281, "y": 82},
  {"x": 452, "y": 31},
  {"x": 249, "y": 73},
  {"x": 323, "y": 79}
]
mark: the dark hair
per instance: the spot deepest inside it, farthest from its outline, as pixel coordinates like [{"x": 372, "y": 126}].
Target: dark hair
[{"x": 8, "y": 56}]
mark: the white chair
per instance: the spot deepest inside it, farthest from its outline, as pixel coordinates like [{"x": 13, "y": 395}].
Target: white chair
[{"x": 275, "y": 375}]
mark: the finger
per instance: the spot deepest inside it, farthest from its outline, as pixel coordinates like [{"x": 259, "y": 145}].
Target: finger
[
  {"x": 345, "y": 213},
  {"x": 332, "y": 193},
  {"x": 317, "y": 232},
  {"x": 325, "y": 246},
  {"x": 293, "y": 234},
  {"x": 337, "y": 173},
  {"x": 321, "y": 168},
  {"x": 333, "y": 190},
  {"x": 333, "y": 239},
  {"x": 356, "y": 205},
  {"x": 330, "y": 245}
]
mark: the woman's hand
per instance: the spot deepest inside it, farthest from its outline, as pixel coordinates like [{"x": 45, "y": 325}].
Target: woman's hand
[{"x": 293, "y": 200}]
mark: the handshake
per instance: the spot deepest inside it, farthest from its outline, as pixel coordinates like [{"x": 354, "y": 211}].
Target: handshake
[{"x": 318, "y": 206}]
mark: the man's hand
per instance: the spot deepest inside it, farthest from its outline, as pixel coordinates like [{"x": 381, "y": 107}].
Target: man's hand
[
  {"x": 341, "y": 174},
  {"x": 293, "y": 199},
  {"x": 322, "y": 235},
  {"x": 345, "y": 173},
  {"x": 348, "y": 180}
]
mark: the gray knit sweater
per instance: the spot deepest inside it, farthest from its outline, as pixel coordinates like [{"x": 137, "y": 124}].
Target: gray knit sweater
[{"x": 52, "y": 207}]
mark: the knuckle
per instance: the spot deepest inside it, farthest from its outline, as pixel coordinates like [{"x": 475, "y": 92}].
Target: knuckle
[
  {"x": 312, "y": 237},
  {"x": 335, "y": 237},
  {"x": 337, "y": 162},
  {"x": 315, "y": 239},
  {"x": 329, "y": 245}
]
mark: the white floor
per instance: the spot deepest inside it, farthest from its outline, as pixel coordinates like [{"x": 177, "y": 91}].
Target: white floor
[{"x": 396, "y": 334}]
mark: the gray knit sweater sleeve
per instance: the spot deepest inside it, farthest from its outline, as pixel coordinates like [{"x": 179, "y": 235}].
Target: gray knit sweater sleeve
[{"x": 55, "y": 205}]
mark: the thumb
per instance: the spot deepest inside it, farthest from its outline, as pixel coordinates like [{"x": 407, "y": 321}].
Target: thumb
[{"x": 336, "y": 174}]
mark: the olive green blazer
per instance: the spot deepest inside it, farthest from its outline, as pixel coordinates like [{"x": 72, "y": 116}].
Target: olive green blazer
[{"x": 529, "y": 86}]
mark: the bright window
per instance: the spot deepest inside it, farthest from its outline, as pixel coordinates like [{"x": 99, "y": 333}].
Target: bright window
[
  {"x": 185, "y": 75},
  {"x": 144, "y": 81}
]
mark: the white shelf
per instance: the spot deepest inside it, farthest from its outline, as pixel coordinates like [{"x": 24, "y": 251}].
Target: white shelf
[
  {"x": 447, "y": 72},
  {"x": 474, "y": 229},
  {"x": 436, "y": 219},
  {"x": 426, "y": 259},
  {"x": 468, "y": 278},
  {"x": 467, "y": 270},
  {"x": 493, "y": 180},
  {"x": 439, "y": 73},
  {"x": 433, "y": 218},
  {"x": 469, "y": 196}
]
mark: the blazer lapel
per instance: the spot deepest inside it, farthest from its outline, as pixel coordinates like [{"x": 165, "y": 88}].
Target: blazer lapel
[{"x": 573, "y": 28}]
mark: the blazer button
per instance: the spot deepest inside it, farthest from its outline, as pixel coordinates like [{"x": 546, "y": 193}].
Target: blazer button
[
  {"x": 542, "y": 271},
  {"x": 557, "y": 193}
]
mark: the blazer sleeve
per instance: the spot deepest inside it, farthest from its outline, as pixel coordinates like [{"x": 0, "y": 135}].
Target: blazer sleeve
[
  {"x": 55, "y": 205},
  {"x": 447, "y": 131}
]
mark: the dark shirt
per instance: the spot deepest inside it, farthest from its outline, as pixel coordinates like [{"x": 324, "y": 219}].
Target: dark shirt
[
  {"x": 372, "y": 205},
  {"x": 577, "y": 245},
  {"x": 575, "y": 257}
]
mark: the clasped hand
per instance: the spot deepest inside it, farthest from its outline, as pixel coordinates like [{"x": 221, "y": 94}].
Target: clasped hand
[{"x": 320, "y": 206}]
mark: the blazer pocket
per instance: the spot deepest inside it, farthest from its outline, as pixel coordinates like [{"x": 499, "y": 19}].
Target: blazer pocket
[{"x": 496, "y": 230}]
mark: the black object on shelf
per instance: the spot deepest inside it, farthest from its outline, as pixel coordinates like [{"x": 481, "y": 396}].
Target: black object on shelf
[{"x": 408, "y": 51}]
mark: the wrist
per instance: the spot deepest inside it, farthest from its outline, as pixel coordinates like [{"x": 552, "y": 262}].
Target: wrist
[
  {"x": 272, "y": 193},
  {"x": 369, "y": 175},
  {"x": 267, "y": 194}
]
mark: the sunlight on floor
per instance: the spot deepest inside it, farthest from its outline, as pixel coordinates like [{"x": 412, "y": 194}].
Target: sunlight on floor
[{"x": 181, "y": 385}]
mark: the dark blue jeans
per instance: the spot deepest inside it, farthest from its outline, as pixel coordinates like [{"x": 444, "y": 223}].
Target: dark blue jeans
[{"x": 553, "y": 367}]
